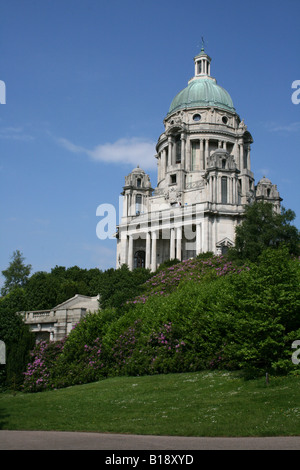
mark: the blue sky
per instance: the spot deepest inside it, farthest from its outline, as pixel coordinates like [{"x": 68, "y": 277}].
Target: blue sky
[{"x": 88, "y": 84}]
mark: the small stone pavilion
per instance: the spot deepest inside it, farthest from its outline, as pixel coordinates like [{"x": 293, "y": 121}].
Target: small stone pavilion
[{"x": 57, "y": 323}]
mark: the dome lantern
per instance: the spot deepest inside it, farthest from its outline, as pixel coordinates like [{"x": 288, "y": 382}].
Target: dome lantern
[
  {"x": 202, "y": 64},
  {"x": 202, "y": 90}
]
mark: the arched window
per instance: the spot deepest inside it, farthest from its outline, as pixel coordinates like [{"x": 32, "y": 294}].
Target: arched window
[
  {"x": 138, "y": 182},
  {"x": 139, "y": 259}
]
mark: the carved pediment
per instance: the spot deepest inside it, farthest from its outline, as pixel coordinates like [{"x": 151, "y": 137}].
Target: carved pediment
[
  {"x": 225, "y": 242},
  {"x": 172, "y": 195}
]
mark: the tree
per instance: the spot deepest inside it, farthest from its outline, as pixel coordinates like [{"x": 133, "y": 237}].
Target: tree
[
  {"x": 263, "y": 228},
  {"x": 41, "y": 291},
  {"x": 16, "y": 336},
  {"x": 17, "y": 273},
  {"x": 119, "y": 285}
]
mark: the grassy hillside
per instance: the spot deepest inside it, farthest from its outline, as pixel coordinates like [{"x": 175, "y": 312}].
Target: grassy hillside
[{"x": 215, "y": 403}]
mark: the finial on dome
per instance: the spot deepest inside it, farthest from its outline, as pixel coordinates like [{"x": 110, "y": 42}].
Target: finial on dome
[{"x": 202, "y": 48}]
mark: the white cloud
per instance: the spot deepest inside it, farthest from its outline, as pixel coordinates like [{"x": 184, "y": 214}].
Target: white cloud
[
  {"x": 134, "y": 151},
  {"x": 69, "y": 146},
  {"x": 292, "y": 127},
  {"x": 14, "y": 133}
]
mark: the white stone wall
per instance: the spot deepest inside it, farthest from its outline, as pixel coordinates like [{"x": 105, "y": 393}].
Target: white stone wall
[{"x": 57, "y": 323}]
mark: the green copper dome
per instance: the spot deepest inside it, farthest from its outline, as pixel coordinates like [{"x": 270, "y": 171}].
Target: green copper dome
[{"x": 202, "y": 92}]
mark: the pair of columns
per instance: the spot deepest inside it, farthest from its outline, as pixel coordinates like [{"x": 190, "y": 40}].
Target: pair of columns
[
  {"x": 148, "y": 251},
  {"x": 172, "y": 150},
  {"x": 215, "y": 189},
  {"x": 244, "y": 156},
  {"x": 202, "y": 67},
  {"x": 151, "y": 246},
  {"x": 194, "y": 154}
]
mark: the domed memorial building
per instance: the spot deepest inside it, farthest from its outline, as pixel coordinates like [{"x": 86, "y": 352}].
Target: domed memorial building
[{"x": 204, "y": 180}]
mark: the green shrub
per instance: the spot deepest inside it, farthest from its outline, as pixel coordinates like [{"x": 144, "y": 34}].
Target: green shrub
[{"x": 18, "y": 341}]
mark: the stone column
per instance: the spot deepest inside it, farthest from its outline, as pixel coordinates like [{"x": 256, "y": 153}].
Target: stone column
[
  {"x": 148, "y": 251},
  {"x": 248, "y": 157},
  {"x": 130, "y": 253},
  {"x": 211, "y": 184},
  {"x": 178, "y": 242},
  {"x": 172, "y": 243},
  {"x": 236, "y": 155},
  {"x": 213, "y": 234},
  {"x": 241, "y": 156},
  {"x": 170, "y": 153},
  {"x": 216, "y": 200},
  {"x": 198, "y": 238},
  {"x": 188, "y": 155},
  {"x": 206, "y": 151},
  {"x": 153, "y": 252},
  {"x": 205, "y": 243},
  {"x": 229, "y": 190},
  {"x": 219, "y": 190},
  {"x": 234, "y": 182},
  {"x": 163, "y": 163},
  {"x": 131, "y": 209},
  {"x": 124, "y": 248},
  {"x": 158, "y": 167},
  {"x": 125, "y": 205},
  {"x": 183, "y": 150},
  {"x": 202, "y": 159},
  {"x": 173, "y": 151}
]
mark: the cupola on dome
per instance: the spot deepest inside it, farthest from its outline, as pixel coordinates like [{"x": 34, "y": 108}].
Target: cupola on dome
[{"x": 202, "y": 90}]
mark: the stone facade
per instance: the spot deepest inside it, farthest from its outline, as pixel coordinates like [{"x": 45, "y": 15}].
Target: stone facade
[
  {"x": 57, "y": 323},
  {"x": 204, "y": 180}
]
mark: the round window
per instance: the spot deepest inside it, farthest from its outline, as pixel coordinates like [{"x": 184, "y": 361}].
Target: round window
[
  {"x": 196, "y": 117},
  {"x": 225, "y": 119}
]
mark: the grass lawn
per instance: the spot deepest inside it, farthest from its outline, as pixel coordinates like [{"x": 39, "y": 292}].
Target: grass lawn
[{"x": 190, "y": 404}]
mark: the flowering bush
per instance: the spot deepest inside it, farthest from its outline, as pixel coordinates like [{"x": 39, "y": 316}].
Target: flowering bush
[
  {"x": 194, "y": 269},
  {"x": 167, "y": 351},
  {"x": 48, "y": 368},
  {"x": 38, "y": 375},
  {"x": 155, "y": 352}
]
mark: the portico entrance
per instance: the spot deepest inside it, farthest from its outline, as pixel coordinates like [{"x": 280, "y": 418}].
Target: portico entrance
[{"x": 139, "y": 259}]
